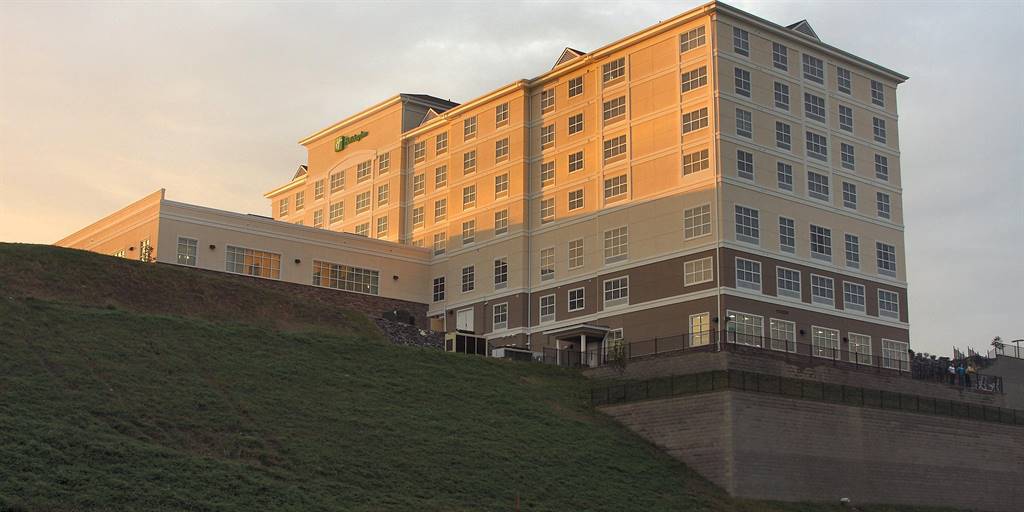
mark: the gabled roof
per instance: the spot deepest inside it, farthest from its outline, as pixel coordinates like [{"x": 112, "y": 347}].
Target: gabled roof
[
  {"x": 804, "y": 28},
  {"x": 301, "y": 171},
  {"x": 567, "y": 55},
  {"x": 431, "y": 113},
  {"x": 435, "y": 102}
]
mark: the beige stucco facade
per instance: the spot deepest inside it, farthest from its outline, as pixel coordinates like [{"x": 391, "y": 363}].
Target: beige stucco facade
[{"x": 593, "y": 193}]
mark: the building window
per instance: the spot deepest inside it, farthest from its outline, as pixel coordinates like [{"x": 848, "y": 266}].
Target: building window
[
  {"x": 501, "y": 115},
  {"x": 575, "y": 254},
  {"x": 419, "y": 184},
  {"x": 337, "y": 181},
  {"x": 700, "y": 329},
  {"x": 883, "y": 205},
  {"x": 547, "y": 100},
  {"x": 740, "y": 41},
  {"x": 419, "y": 152},
  {"x": 783, "y": 335},
  {"x": 417, "y": 217},
  {"x": 616, "y": 291},
  {"x": 853, "y": 296},
  {"x": 814, "y": 107},
  {"x": 240, "y": 260},
  {"x": 300, "y": 200},
  {"x": 344, "y": 277},
  {"x": 547, "y": 264},
  {"x": 849, "y": 195},
  {"x": 845, "y": 118},
  {"x": 614, "y": 148},
  {"x": 787, "y": 235},
  {"x": 881, "y": 167},
  {"x": 744, "y": 123},
  {"x": 614, "y": 109},
  {"x": 615, "y": 187},
  {"x": 860, "y": 348},
  {"x": 501, "y": 150},
  {"x": 500, "y": 222},
  {"x": 698, "y": 271},
  {"x": 824, "y": 342},
  {"x": 576, "y": 161},
  {"x": 500, "y": 273},
  {"x": 843, "y": 80},
  {"x": 336, "y": 211},
  {"x": 363, "y": 202},
  {"x": 852, "y": 251},
  {"x": 500, "y": 317},
  {"x": 695, "y": 120},
  {"x": 469, "y": 128},
  {"x": 879, "y": 127},
  {"x": 744, "y": 164},
  {"x": 697, "y": 221},
  {"x": 814, "y": 69},
  {"x": 547, "y": 210},
  {"x": 785, "y": 176},
  {"x": 742, "y": 81},
  {"x": 817, "y": 186},
  {"x": 469, "y": 162},
  {"x": 821, "y": 243},
  {"x": 823, "y": 290},
  {"x": 691, "y": 39},
  {"x": 782, "y": 95},
  {"x": 501, "y": 185},
  {"x": 547, "y": 136},
  {"x": 382, "y": 227},
  {"x": 547, "y": 308},
  {"x": 744, "y": 329},
  {"x": 468, "y": 232},
  {"x": 748, "y": 274},
  {"x": 877, "y": 93},
  {"x": 895, "y": 355},
  {"x": 780, "y": 56},
  {"x": 886, "y": 258},
  {"x": 888, "y": 303},
  {"x": 364, "y": 171},
  {"x": 577, "y": 300},
  {"x": 318, "y": 218},
  {"x": 441, "y": 176},
  {"x": 440, "y": 243},
  {"x": 187, "y": 251},
  {"x": 788, "y": 282},
  {"x": 383, "y": 163},
  {"x": 468, "y": 278},
  {"x": 616, "y": 244},
  {"x": 318, "y": 189},
  {"x": 547, "y": 173},
  {"x": 469, "y": 197},
  {"x": 694, "y": 79},
  {"x": 440, "y": 143},
  {"x": 282, "y": 207},
  {"x": 846, "y": 155},
  {"x": 440, "y": 209},
  {"x": 383, "y": 194},
  {"x": 613, "y": 70},
  {"x": 438, "y": 289},
  {"x": 576, "y": 123},
  {"x": 747, "y": 225},
  {"x": 575, "y": 86},
  {"x": 783, "y": 136},
  {"x": 575, "y": 199},
  {"x": 695, "y": 162}
]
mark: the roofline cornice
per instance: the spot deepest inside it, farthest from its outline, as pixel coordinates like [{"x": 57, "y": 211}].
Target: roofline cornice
[
  {"x": 363, "y": 114},
  {"x": 454, "y": 112},
  {"x": 286, "y": 187}
]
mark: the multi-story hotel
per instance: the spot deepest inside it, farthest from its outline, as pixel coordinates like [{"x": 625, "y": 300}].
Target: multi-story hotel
[{"x": 715, "y": 171}]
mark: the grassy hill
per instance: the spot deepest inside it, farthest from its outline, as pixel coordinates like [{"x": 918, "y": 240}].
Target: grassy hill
[{"x": 206, "y": 392}]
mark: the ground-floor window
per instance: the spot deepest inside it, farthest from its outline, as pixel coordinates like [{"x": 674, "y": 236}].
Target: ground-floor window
[
  {"x": 783, "y": 335},
  {"x": 252, "y": 262},
  {"x": 187, "y": 251},
  {"x": 700, "y": 329},
  {"x": 745, "y": 329},
  {"x": 894, "y": 355},
  {"x": 860, "y": 348},
  {"x": 344, "y": 277},
  {"x": 824, "y": 342}
]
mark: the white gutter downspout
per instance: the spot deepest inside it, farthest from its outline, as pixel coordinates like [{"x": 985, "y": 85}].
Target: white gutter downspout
[{"x": 719, "y": 181}]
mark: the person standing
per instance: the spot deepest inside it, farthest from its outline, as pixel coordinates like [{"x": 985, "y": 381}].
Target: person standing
[
  {"x": 952, "y": 374},
  {"x": 971, "y": 370},
  {"x": 960, "y": 374}
]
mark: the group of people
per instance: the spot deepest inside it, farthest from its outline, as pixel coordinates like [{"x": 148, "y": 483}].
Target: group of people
[{"x": 961, "y": 375}]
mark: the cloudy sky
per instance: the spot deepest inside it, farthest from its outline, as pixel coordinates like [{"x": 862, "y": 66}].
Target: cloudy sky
[{"x": 101, "y": 104}]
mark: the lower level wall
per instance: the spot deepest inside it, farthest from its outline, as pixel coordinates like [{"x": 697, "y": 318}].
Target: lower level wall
[{"x": 770, "y": 447}]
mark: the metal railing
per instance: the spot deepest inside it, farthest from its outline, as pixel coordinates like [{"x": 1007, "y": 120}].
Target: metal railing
[{"x": 678, "y": 385}]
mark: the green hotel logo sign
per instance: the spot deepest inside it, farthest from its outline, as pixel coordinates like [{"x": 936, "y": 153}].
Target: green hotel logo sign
[{"x": 342, "y": 142}]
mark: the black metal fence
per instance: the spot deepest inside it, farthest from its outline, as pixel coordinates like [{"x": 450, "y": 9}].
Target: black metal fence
[{"x": 678, "y": 385}]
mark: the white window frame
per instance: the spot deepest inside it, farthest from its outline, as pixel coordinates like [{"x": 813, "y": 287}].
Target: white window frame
[
  {"x": 694, "y": 275},
  {"x": 818, "y": 282},
  {"x": 779, "y": 279},
  {"x": 499, "y": 316},
  {"x": 754, "y": 270},
  {"x": 580, "y": 299},
  {"x": 620, "y": 287},
  {"x": 541, "y": 306}
]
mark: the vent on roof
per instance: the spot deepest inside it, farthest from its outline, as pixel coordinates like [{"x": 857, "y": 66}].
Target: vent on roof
[
  {"x": 567, "y": 55},
  {"x": 804, "y": 28}
]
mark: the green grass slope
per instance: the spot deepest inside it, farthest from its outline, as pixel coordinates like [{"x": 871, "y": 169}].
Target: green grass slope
[{"x": 104, "y": 407}]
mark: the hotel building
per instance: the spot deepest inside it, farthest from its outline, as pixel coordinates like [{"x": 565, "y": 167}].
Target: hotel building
[{"x": 715, "y": 171}]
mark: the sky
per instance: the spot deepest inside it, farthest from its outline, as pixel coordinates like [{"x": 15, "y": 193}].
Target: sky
[{"x": 103, "y": 103}]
